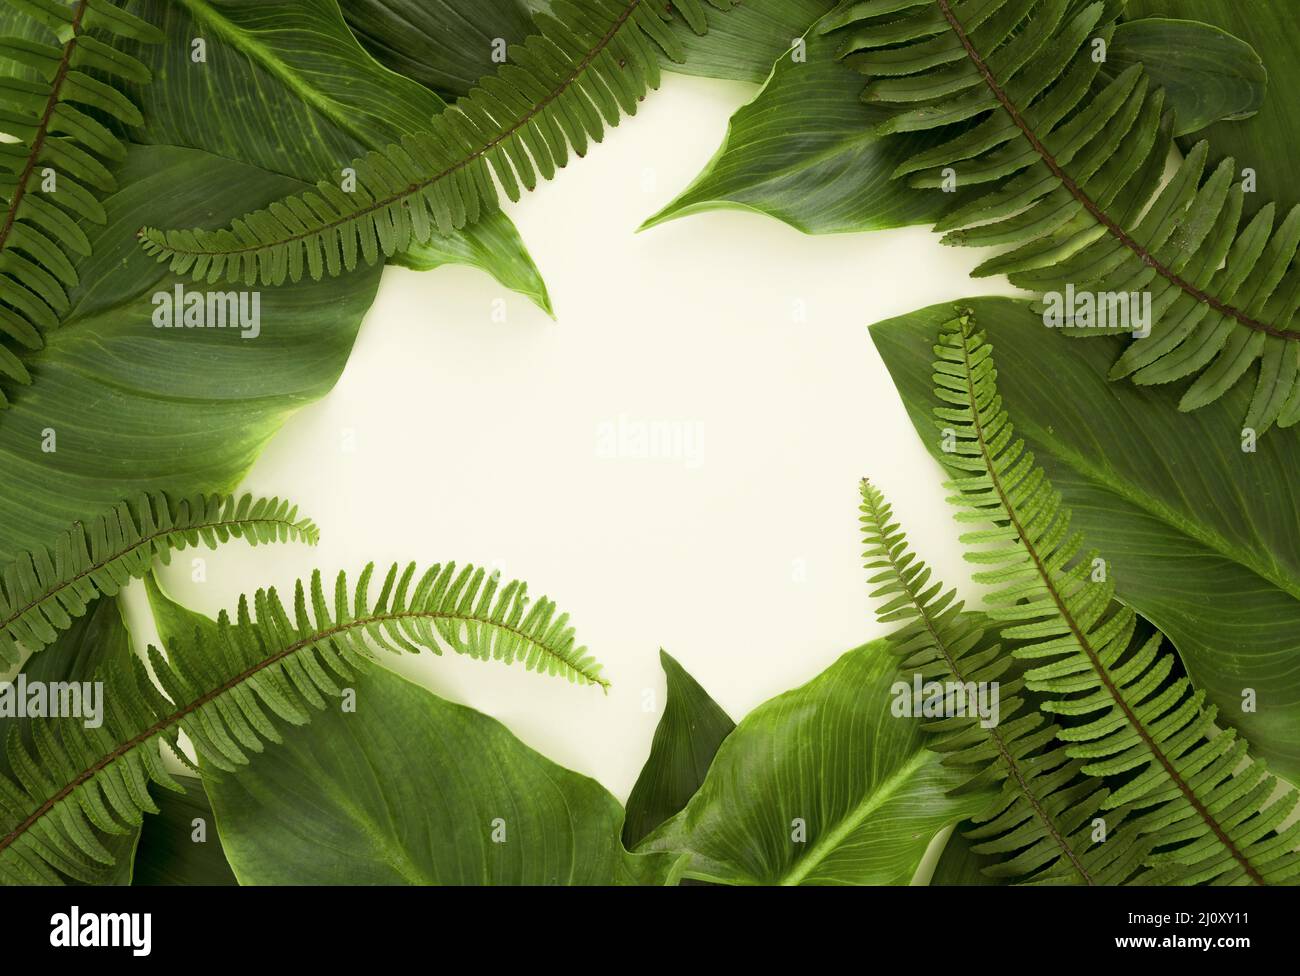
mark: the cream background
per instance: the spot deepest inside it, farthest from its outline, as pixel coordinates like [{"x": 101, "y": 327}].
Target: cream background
[{"x": 476, "y": 440}]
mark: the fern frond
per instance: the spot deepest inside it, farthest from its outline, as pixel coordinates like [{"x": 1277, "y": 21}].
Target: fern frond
[
  {"x": 1073, "y": 162},
  {"x": 1134, "y": 720},
  {"x": 51, "y": 176},
  {"x": 592, "y": 61},
  {"x": 1041, "y": 822},
  {"x": 41, "y": 591},
  {"x": 232, "y": 687}
]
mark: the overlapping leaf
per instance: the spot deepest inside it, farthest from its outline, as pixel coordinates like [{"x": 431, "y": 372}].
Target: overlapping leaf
[
  {"x": 589, "y": 65},
  {"x": 43, "y": 591},
  {"x": 1070, "y": 171},
  {"x": 234, "y": 688},
  {"x": 59, "y": 86}
]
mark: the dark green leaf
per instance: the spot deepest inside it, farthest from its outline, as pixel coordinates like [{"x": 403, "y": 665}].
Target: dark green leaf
[
  {"x": 446, "y": 45},
  {"x": 1203, "y": 538},
  {"x": 805, "y": 151},
  {"x": 408, "y": 789},
  {"x": 1268, "y": 141},
  {"x": 77, "y": 655},
  {"x": 1207, "y": 73},
  {"x": 131, "y": 406},
  {"x": 287, "y": 88},
  {"x": 685, "y": 742},
  {"x": 179, "y": 844}
]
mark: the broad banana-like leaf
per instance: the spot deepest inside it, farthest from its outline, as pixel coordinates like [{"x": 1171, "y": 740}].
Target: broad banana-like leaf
[
  {"x": 821, "y": 785},
  {"x": 690, "y": 730},
  {"x": 807, "y": 152},
  {"x": 286, "y": 87},
  {"x": 1199, "y": 522},
  {"x": 118, "y": 406},
  {"x": 1268, "y": 141},
  {"x": 408, "y": 788}
]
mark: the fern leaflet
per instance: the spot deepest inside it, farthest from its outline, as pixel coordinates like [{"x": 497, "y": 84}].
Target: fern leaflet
[
  {"x": 1042, "y": 818},
  {"x": 231, "y": 686},
  {"x": 591, "y": 62},
  {"x": 50, "y": 176},
  {"x": 1074, "y": 164},
  {"x": 1134, "y": 721},
  {"x": 41, "y": 591}
]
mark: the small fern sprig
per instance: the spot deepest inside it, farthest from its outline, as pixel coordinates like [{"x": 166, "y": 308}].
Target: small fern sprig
[
  {"x": 231, "y": 687},
  {"x": 50, "y": 177},
  {"x": 1074, "y": 167},
  {"x": 1138, "y": 724},
  {"x": 590, "y": 63},
  {"x": 41, "y": 591},
  {"x": 1041, "y": 820}
]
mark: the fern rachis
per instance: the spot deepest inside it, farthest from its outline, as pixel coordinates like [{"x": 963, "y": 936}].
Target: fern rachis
[
  {"x": 220, "y": 687},
  {"x": 1046, "y": 805},
  {"x": 41, "y": 590},
  {"x": 1075, "y": 166},
  {"x": 1199, "y": 797},
  {"x": 590, "y": 63}
]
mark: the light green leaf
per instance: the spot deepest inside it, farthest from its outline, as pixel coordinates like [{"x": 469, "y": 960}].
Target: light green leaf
[
  {"x": 1269, "y": 141},
  {"x": 829, "y": 763},
  {"x": 1207, "y": 73},
  {"x": 169, "y": 854},
  {"x": 685, "y": 742},
  {"x": 126, "y": 406},
  {"x": 287, "y": 88},
  {"x": 805, "y": 151},
  {"x": 1202, "y": 537}
]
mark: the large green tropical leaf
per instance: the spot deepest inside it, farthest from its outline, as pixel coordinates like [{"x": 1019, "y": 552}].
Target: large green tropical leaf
[
  {"x": 410, "y": 789},
  {"x": 79, "y": 655},
  {"x": 446, "y": 45},
  {"x": 64, "y": 64},
  {"x": 959, "y": 865},
  {"x": 128, "y": 407},
  {"x": 179, "y": 845},
  {"x": 589, "y": 65},
  {"x": 287, "y": 88},
  {"x": 1069, "y": 169},
  {"x": 806, "y": 151},
  {"x": 1268, "y": 141},
  {"x": 1202, "y": 537},
  {"x": 690, "y": 730},
  {"x": 743, "y": 44},
  {"x": 387, "y": 796},
  {"x": 1208, "y": 74},
  {"x": 820, "y": 785}
]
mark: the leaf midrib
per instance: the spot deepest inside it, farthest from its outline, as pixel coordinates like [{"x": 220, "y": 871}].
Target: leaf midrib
[
  {"x": 884, "y": 791},
  {"x": 1108, "y": 223},
  {"x": 1150, "y": 504}
]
